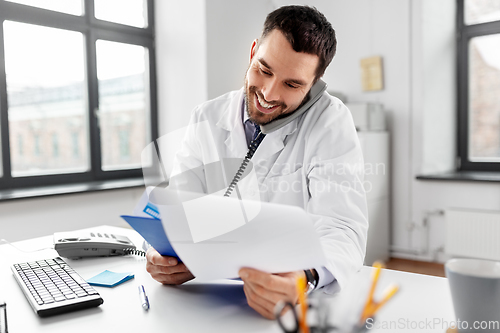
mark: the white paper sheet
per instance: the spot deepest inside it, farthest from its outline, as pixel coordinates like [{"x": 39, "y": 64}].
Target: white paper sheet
[
  {"x": 278, "y": 239},
  {"x": 139, "y": 208}
]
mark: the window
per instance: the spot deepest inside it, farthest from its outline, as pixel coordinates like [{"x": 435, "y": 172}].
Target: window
[
  {"x": 55, "y": 145},
  {"x": 74, "y": 7},
  {"x": 36, "y": 143},
  {"x": 123, "y": 87},
  {"x": 131, "y": 12},
  {"x": 75, "y": 143},
  {"x": 20, "y": 144},
  {"x": 124, "y": 144},
  {"x": 45, "y": 91},
  {"x": 77, "y": 90},
  {"x": 479, "y": 84}
]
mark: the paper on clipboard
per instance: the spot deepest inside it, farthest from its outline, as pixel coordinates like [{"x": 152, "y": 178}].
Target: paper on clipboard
[{"x": 278, "y": 239}]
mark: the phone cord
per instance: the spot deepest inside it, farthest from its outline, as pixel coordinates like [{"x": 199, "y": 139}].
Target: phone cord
[
  {"x": 252, "y": 147},
  {"x": 135, "y": 251}
]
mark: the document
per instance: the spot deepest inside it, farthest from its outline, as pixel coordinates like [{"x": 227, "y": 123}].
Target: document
[{"x": 216, "y": 236}]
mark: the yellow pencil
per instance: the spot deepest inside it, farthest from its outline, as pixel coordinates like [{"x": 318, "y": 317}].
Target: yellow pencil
[
  {"x": 301, "y": 290},
  {"x": 391, "y": 291},
  {"x": 369, "y": 302}
]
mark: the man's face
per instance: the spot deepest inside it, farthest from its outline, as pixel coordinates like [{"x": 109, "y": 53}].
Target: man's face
[{"x": 278, "y": 78}]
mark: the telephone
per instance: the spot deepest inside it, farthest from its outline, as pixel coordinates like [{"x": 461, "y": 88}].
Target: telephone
[
  {"x": 314, "y": 94},
  {"x": 75, "y": 245}
]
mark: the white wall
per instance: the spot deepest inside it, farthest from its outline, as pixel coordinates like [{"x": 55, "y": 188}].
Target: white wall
[
  {"x": 434, "y": 85},
  {"x": 181, "y": 59},
  {"x": 28, "y": 218},
  {"x": 231, "y": 28}
]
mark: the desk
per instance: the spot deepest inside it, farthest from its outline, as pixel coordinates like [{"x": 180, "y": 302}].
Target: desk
[{"x": 197, "y": 306}]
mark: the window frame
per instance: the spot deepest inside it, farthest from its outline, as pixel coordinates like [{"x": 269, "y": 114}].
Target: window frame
[
  {"x": 92, "y": 29},
  {"x": 464, "y": 34}
]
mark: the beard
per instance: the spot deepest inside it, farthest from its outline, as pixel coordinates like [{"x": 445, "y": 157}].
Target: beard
[
  {"x": 260, "y": 118},
  {"x": 254, "y": 114}
]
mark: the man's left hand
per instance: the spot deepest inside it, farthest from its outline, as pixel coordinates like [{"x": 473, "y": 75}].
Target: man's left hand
[{"x": 264, "y": 290}]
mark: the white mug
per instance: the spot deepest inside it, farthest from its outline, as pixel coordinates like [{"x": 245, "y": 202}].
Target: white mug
[{"x": 475, "y": 290}]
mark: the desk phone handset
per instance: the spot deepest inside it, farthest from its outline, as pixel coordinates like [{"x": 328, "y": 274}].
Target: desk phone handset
[
  {"x": 75, "y": 245},
  {"x": 314, "y": 94}
]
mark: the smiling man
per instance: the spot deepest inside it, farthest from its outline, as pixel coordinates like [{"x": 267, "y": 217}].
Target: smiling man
[
  {"x": 278, "y": 78},
  {"x": 311, "y": 161}
]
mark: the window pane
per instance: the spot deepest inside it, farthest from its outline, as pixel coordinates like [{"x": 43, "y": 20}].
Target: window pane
[
  {"x": 47, "y": 99},
  {"x": 123, "y": 103},
  {"x": 484, "y": 99},
  {"x": 74, "y": 7},
  {"x": 128, "y": 12},
  {"x": 481, "y": 11}
]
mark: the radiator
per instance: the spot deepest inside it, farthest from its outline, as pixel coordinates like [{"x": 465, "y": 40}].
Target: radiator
[{"x": 473, "y": 233}]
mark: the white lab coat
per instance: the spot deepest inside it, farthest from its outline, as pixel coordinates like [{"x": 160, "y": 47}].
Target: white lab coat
[{"x": 314, "y": 162}]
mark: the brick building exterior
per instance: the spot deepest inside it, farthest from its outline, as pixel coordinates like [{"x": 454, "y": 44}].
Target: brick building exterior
[{"x": 49, "y": 127}]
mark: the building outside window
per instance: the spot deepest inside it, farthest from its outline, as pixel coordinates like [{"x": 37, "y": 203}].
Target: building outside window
[
  {"x": 75, "y": 145},
  {"x": 124, "y": 144},
  {"x": 36, "y": 147},
  {"x": 20, "y": 145}
]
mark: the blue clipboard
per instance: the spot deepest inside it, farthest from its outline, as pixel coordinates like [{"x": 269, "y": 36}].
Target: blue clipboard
[{"x": 152, "y": 231}]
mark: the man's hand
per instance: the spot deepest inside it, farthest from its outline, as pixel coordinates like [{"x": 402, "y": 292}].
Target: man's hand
[
  {"x": 166, "y": 270},
  {"x": 264, "y": 290}
]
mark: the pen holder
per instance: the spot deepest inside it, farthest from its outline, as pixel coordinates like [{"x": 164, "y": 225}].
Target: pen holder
[
  {"x": 318, "y": 319},
  {"x": 322, "y": 320},
  {"x": 334, "y": 329}
]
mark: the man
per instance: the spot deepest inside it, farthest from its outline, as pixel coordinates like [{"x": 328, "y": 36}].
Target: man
[{"x": 317, "y": 155}]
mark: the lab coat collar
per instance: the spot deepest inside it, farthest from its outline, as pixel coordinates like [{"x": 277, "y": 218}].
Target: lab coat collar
[{"x": 231, "y": 121}]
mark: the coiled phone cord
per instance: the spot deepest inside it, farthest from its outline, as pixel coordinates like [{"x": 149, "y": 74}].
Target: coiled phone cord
[
  {"x": 259, "y": 136},
  {"x": 134, "y": 251}
]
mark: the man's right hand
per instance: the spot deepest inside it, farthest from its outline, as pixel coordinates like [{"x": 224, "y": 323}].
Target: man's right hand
[{"x": 166, "y": 270}]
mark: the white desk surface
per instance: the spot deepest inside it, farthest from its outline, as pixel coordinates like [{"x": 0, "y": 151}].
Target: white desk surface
[{"x": 422, "y": 305}]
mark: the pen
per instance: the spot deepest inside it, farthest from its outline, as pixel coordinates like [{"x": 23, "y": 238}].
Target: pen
[{"x": 144, "y": 298}]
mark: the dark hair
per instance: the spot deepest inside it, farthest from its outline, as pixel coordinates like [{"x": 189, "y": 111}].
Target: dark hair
[{"x": 307, "y": 30}]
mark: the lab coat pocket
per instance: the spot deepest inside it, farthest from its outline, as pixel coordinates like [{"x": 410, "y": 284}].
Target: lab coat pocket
[{"x": 286, "y": 189}]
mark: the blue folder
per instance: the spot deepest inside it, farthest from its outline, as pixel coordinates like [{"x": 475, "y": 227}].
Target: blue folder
[{"x": 152, "y": 231}]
